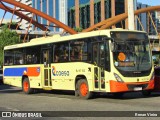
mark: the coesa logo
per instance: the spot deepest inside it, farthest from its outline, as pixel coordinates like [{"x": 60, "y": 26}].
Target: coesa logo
[
  {"x": 59, "y": 73},
  {"x": 53, "y": 71}
]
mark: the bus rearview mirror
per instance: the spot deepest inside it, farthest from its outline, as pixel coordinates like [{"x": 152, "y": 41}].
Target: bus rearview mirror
[{"x": 113, "y": 46}]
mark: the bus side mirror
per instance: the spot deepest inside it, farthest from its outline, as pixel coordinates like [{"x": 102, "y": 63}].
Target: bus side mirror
[{"x": 113, "y": 46}]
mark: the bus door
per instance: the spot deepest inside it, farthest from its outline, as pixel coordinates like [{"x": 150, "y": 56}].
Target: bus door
[
  {"x": 98, "y": 59},
  {"x": 47, "y": 68}
]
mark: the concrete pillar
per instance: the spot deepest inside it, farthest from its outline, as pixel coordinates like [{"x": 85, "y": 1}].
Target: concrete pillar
[
  {"x": 113, "y": 7},
  {"x": 102, "y": 10},
  {"x": 91, "y": 12},
  {"x": 148, "y": 23},
  {"x": 77, "y": 13},
  {"x": 54, "y": 13},
  {"x": 131, "y": 15},
  {"x": 41, "y": 10},
  {"x": 126, "y": 11}
]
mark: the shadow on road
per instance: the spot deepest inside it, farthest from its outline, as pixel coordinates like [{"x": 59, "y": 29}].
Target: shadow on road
[
  {"x": 71, "y": 94},
  {"x": 9, "y": 89},
  {"x": 3, "y": 87},
  {"x": 60, "y": 93},
  {"x": 127, "y": 96}
]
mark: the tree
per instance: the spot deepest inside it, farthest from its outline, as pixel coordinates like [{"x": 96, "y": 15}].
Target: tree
[
  {"x": 12, "y": 26},
  {"x": 78, "y": 29},
  {"x": 7, "y": 37}
]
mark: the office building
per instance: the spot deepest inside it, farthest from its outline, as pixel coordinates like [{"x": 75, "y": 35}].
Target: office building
[
  {"x": 54, "y": 8},
  {"x": 85, "y": 13},
  {"x": 158, "y": 21},
  {"x": 146, "y": 20},
  {"x": 95, "y": 11},
  {"x": 24, "y": 24},
  {"x": 57, "y": 9}
]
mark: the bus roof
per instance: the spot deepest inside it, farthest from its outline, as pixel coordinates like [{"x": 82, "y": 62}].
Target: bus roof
[{"x": 59, "y": 38}]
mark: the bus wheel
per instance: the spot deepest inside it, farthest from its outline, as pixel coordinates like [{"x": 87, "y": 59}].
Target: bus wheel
[
  {"x": 83, "y": 90},
  {"x": 26, "y": 86},
  {"x": 76, "y": 90},
  {"x": 146, "y": 93}
]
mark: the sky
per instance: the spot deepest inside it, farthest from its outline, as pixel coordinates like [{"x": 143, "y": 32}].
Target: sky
[{"x": 149, "y": 2}]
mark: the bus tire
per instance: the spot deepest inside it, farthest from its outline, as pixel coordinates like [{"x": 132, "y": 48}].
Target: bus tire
[
  {"x": 26, "y": 86},
  {"x": 76, "y": 90},
  {"x": 83, "y": 89},
  {"x": 146, "y": 93}
]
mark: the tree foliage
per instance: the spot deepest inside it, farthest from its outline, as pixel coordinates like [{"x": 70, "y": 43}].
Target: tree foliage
[
  {"x": 7, "y": 37},
  {"x": 78, "y": 29},
  {"x": 13, "y": 26}
]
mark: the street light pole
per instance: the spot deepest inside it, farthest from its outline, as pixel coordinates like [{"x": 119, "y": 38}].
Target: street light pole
[{"x": 131, "y": 23}]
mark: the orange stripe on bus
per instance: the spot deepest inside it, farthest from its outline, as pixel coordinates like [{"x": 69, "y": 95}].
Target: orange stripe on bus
[
  {"x": 117, "y": 86},
  {"x": 150, "y": 85},
  {"x": 33, "y": 71}
]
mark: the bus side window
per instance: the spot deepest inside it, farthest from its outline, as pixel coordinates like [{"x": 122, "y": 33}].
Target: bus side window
[
  {"x": 61, "y": 52},
  {"x": 79, "y": 50},
  {"x": 56, "y": 53},
  {"x": 7, "y": 62},
  {"x": 76, "y": 53},
  {"x": 18, "y": 54},
  {"x": 65, "y": 54},
  {"x": 72, "y": 56},
  {"x": 56, "y": 56},
  {"x": 95, "y": 54},
  {"x": 102, "y": 54},
  {"x": 29, "y": 59},
  {"x": 107, "y": 55},
  {"x": 21, "y": 61},
  {"x": 32, "y": 55}
]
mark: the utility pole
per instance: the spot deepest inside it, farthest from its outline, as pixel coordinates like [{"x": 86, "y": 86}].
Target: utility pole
[{"x": 131, "y": 23}]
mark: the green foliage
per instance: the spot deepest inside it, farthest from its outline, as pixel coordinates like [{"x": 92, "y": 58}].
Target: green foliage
[
  {"x": 78, "y": 29},
  {"x": 12, "y": 26},
  {"x": 4, "y": 27},
  {"x": 7, "y": 37}
]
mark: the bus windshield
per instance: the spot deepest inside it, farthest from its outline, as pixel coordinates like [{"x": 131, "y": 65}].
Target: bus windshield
[{"x": 131, "y": 52}]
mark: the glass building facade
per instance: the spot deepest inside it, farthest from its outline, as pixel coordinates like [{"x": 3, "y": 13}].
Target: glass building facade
[
  {"x": 146, "y": 20},
  {"x": 85, "y": 12},
  {"x": 58, "y": 9},
  {"x": 52, "y": 8},
  {"x": 64, "y": 11}
]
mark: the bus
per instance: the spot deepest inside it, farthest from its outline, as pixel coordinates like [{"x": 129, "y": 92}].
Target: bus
[
  {"x": 156, "y": 60},
  {"x": 106, "y": 61}
]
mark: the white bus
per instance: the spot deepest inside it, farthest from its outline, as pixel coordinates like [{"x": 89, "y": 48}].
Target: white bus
[{"x": 113, "y": 61}]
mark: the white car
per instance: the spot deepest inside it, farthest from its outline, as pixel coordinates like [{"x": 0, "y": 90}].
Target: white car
[{"x": 1, "y": 76}]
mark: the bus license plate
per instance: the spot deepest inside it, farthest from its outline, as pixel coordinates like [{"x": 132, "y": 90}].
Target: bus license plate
[{"x": 137, "y": 88}]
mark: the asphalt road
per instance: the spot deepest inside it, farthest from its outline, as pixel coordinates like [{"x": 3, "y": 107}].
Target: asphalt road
[{"x": 66, "y": 104}]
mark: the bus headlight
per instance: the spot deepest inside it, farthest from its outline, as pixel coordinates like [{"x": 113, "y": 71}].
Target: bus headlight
[{"x": 118, "y": 78}]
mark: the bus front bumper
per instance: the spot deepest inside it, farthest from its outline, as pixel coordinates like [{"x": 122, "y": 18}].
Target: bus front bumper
[{"x": 135, "y": 86}]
